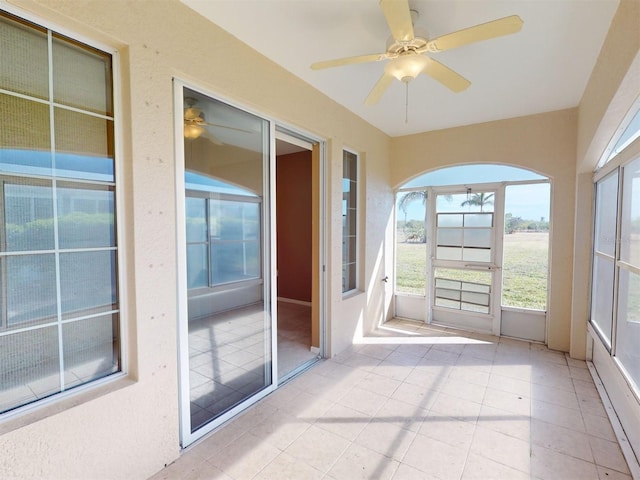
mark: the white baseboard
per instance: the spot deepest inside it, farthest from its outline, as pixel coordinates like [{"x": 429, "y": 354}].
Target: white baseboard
[
  {"x": 292, "y": 300},
  {"x": 623, "y": 441}
]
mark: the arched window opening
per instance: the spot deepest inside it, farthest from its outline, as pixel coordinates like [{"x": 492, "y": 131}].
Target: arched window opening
[{"x": 474, "y": 240}]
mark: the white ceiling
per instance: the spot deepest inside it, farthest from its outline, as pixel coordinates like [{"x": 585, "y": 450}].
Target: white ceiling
[{"x": 542, "y": 68}]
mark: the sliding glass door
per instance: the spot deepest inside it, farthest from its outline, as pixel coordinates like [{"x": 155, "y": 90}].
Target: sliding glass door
[{"x": 226, "y": 322}]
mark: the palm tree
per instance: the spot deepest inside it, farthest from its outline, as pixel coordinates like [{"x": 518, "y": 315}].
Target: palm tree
[
  {"x": 411, "y": 197},
  {"x": 408, "y": 198},
  {"x": 479, "y": 200}
]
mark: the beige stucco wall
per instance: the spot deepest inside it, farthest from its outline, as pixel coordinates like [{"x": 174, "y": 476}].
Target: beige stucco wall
[
  {"x": 613, "y": 86},
  {"x": 130, "y": 429},
  {"x": 544, "y": 143}
]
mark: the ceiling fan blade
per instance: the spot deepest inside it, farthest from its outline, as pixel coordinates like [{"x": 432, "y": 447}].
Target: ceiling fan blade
[
  {"x": 398, "y": 16},
  {"x": 447, "y": 77},
  {"x": 339, "y": 62},
  {"x": 226, "y": 126},
  {"x": 212, "y": 138},
  {"x": 378, "y": 89},
  {"x": 484, "y": 31}
]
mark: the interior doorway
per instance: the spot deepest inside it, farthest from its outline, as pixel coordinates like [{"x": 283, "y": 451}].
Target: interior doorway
[{"x": 297, "y": 246}]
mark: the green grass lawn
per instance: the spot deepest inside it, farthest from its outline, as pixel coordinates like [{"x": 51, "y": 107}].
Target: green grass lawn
[
  {"x": 524, "y": 269},
  {"x": 411, "y": 265}
]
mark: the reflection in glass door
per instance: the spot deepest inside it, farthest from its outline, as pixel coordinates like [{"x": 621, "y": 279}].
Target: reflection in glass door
[
  {"x": 464, "y": 268},
  {"x": 227, "y": 326}
]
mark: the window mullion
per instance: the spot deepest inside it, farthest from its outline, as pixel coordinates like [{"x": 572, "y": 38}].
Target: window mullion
[
  {"x": 616, "y": 266},
  {"x": 207, "y": 213},
  {"x": 55, "y": 210},
  {"x": 3, "y": 263}
]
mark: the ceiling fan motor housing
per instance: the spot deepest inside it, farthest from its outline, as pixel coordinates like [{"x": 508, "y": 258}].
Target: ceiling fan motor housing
[{"x": 420, "y": 40}]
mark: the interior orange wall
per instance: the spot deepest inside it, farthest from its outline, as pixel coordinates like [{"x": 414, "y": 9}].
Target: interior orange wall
[{"x": 293, "y": 218}]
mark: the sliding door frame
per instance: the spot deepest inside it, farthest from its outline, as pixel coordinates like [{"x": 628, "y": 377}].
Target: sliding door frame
[
  {"x": 269, "y": 262},
  {"x": 187, "y": 437}
]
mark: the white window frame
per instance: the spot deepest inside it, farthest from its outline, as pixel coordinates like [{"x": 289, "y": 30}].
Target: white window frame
[
  {"x": 613, "y": 149},
  {"x": 617, "y": 162},
  {"x": 350, "y": 291},
  {"x": 121, "y": 219},
  {"x": 215, "y": 287}
]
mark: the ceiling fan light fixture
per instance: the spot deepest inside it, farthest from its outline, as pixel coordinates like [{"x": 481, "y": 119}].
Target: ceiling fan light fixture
[
  {"x": 191, "y": 113},
  {"x": 406, "y": 67},
  {"x": 192, "y": 131}
]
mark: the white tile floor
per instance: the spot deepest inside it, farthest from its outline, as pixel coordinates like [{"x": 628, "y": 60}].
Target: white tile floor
[
  {"x": 226, "y": 361},
  {"x": 427, "y": 404},
  {"x": 294, "y": 336},
  {"x": 227, "y": 355}
]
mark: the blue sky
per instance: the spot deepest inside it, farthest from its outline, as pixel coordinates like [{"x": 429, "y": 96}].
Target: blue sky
[{"x": 530, "y": 202}]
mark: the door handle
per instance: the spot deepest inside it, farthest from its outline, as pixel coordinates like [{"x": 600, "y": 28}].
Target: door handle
[{"x": 385, "y": 279}]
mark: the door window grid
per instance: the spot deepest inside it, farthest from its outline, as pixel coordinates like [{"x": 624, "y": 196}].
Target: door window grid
[
  {"x": 452, "y": 291},
  {"x": 464, "y": 236},
  {"x": 59, "y": 321}
]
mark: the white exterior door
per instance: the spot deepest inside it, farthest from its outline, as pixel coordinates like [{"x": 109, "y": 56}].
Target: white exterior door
[{"x": 466, "y": 254}]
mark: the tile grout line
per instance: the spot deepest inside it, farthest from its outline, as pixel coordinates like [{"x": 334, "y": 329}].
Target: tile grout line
[{"x": 621, "y": 437}]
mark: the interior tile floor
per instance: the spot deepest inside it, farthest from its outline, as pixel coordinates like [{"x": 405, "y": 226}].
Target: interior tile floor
[
  {"x": 227, "y": 355},
  {"x": 418, "y": 402},
  {"x": 227, "y": 359},
  {"x": 294, "y": 336}
]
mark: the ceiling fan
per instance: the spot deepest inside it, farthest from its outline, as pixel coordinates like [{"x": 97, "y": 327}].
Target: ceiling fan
[
  {"x": 195, "y": 124},
  {"x": 405, "y": 50}
]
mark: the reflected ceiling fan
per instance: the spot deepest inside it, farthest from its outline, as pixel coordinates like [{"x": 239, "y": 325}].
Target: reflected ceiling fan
[
  {"x": 195, "y": 124},
  {"x": 405, "y": 49}
]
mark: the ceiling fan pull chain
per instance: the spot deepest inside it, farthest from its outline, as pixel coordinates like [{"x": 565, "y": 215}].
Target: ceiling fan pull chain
[{"x": 406, "y": 103}]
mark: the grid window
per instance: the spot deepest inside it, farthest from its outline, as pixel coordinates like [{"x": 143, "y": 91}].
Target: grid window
[
  {"x": 349, "y": 220},
  {"x": 59, "y": 307},
  {"x": 223, "y": 240}
]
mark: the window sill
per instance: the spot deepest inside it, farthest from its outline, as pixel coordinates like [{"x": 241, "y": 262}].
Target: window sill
[
  {"x": 352, "y": 293},
  {"x": 33, "y": 413}
]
